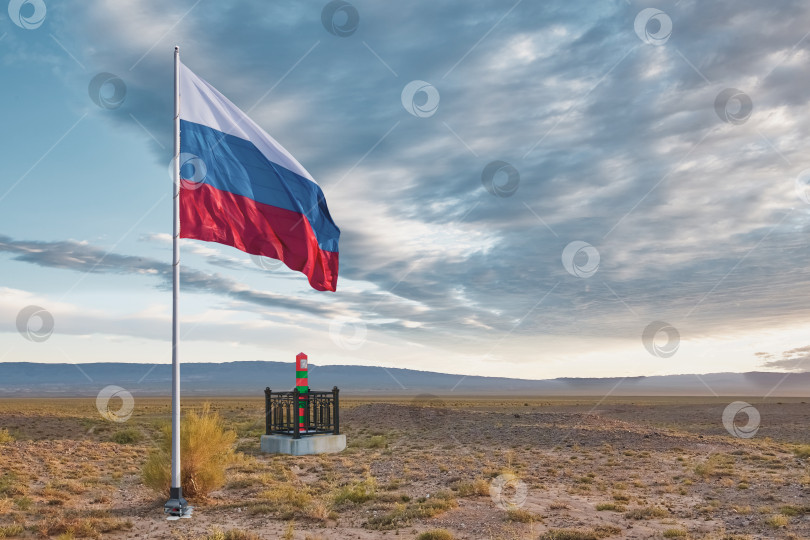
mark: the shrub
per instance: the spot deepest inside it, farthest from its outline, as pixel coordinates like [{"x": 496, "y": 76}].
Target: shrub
[
  {"x": 5, "y": 436},
  {"x": 127, "y": 436},
  {"x": 206, "y": 448},
  {"x": 436, "y": 534},
  {"x": 675, "y": 533}
]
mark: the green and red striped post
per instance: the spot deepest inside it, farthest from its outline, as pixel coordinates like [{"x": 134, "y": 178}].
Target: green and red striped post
[{"x": 302, "y": 385}]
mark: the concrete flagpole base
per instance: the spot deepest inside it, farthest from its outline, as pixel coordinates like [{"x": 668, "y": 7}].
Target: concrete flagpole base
[{"x": 306, "y": 445}]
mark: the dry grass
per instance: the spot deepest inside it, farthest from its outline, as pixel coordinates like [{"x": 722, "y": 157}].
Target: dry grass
[
  {"x": 231, "y": 534},
  {"x": 404, "y": 514},
  {"x": 646, "y": 512},
  {"x": 436, "y": 534},
  {"x": 777, "y": 521},
  {"x": 356, "y": 492},
  {"x": 520, "y": 515},
  {"x": 611, "y": 507},
  {"x": 595, "y": 533},
  {"x": 81, "y": 527},
  {"x": 5, "y": 436},
  {"x": 127, "y": 436},
  {"x": 9, "y": 531},
  {"x": 478, "y": 487},
  {"x": 207, "y": 448}
]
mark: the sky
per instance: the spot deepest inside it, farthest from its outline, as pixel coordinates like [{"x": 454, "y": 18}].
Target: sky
[{"x": 524, "y": 188}]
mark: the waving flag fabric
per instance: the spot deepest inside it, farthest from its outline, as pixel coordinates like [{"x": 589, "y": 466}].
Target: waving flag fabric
[{"x": 241, "y": 188}]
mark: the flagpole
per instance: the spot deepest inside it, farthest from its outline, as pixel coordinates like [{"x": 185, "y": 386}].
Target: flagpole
[{"x": 176, "y": 506}]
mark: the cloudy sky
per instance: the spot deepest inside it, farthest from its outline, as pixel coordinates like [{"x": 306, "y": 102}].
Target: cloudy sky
[{"x": 531, "y": 189}]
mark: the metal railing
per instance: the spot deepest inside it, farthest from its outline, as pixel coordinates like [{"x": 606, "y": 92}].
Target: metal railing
[{"x": 321, "y": 412}]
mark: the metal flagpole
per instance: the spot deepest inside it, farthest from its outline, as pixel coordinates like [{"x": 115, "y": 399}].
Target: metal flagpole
[{"x": 176, "y": 506}]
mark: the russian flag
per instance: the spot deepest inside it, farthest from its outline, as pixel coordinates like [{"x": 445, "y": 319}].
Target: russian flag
[{"x": 241, "y": 188}]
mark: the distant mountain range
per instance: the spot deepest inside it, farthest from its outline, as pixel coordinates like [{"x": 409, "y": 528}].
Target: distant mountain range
[{"x": 24, "y": 379}]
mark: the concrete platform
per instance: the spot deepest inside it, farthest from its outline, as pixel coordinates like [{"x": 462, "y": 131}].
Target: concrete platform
[{"x": 306, "y": 445}]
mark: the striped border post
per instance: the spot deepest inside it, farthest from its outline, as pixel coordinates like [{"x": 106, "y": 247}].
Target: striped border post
[{"x": 302, "y": 385}]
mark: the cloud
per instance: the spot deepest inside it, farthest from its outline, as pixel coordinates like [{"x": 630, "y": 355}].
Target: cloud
[
  {"x": 793, "y": 360},
  {"x": 617, "y": 143},
  {"x": 83, "y": 257}
]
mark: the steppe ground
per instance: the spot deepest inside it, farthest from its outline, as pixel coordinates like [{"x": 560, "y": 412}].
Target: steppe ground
[{"x": 622, "y": 468}]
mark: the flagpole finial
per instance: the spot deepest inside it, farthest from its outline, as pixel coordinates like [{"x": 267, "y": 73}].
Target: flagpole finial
[{"x": 176, "y": 48}]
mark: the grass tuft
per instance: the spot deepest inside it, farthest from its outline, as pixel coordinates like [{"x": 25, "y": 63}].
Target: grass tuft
[
  {"x": 777, "y": 522},
  {"x": 521, "y": 516},
  {"x": 802, "y": 451},
  {"x": 646, "y": 512},
  {"x": 478, "y": 487},
  {"x": 596, "y": 533},
  {"x": 8, "y": 531},
  {"x": 611, "y": 507},
  {"x": 436, "y": 534},
  {"x": 231, "y": 534},
  {"x": 357, "y": 492},
  {"x": 404, "y": 513},
  {"x": 127, "y": 436}
]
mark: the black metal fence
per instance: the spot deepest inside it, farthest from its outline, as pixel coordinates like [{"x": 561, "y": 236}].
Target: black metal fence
[{"x": 321, "y": 412}]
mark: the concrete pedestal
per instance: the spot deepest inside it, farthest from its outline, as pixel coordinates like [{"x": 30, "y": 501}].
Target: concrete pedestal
[{"x": 306, "y": 445}]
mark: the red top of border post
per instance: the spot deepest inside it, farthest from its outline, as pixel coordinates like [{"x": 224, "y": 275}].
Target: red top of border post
[{"x": 301, "y": 362}]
